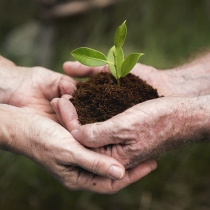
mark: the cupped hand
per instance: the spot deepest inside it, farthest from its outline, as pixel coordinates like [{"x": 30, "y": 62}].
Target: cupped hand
[
  {"x": 162, "y": 80},
  {"x": 33, "y": 87},
  {"x": 53, "y": 147},
  {"x": 128, "y": 137},
  {"x": 143, "y": 131},
  {"x": 28, "y": 130}
]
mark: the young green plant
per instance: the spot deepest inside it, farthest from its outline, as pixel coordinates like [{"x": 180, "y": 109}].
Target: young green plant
[{"x": 118, "y": 66}]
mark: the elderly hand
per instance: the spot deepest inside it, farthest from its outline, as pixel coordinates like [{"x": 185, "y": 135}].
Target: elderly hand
[
  {"x": 190, "y": 80},
  {"x": 161, "y": 80},
  {"x": 29, "y": 129},
  {"x": 47, "y": 143},
  {"x": 143, "y": 131},
  {"x": 155, "y": 126},
  {"x": 32, "y": 87}
]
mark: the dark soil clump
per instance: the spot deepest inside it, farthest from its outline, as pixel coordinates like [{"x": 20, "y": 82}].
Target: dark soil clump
[{"x": 100, "y": 98}]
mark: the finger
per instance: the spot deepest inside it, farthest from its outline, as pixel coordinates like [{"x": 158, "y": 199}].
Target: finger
[
  {"x": 104, "y": 185},
  {"x": 99, "y": 164},
  {"x": 68, "y": 114},
  {"x": 134, "y": 174},
  {"x": 99, "y": 134},
  {"x": 54, "y": 104},
  {"x": 152, "y": 163},
  {"x": 76, "y": 69},
  {"x": 67, "y": 85},
  {"x": 66, "y": 96}
]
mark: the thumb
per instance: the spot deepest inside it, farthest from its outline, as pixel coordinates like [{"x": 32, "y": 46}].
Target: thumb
[
  {"x": 97, "y": 134},
  {"x": 100, "y": 164},
  {"x": 76, "y": 69},
  {"x": 66, "y": 85}
]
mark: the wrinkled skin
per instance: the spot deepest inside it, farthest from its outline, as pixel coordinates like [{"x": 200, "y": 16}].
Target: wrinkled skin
[
  {"x": 30, "y": 128},
  {"x": 189, "y": 81},
  {"x": 33, "y": 87},
  {"x": 164, "y": 81},
  {"x": 136, "y": 135},
  {"x": 145, "y": 130}
]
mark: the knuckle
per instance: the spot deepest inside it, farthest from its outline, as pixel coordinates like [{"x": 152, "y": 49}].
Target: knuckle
[
  {"x": 90, "y": 135},
  {"x": 127, "y": 133},
  {"x": 113, "y": 189},
  {"x": 96, "y": 165},
  {"x": 133, "y": 134},
  {"x": 71, "y": 183}
]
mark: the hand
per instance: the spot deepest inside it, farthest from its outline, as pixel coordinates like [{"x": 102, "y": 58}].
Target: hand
[
  {"x": 51, "y": 146},
  {"x": 163, "y": 81},
  {"x": 147, "y": 129},
  {"x": 28, "y": 131},
  {"x": 189, "y": 80},
  {"x": 32, "y": 87},
  {"x": 143, "y": 131},
  {"x": 116, "y": 137}
]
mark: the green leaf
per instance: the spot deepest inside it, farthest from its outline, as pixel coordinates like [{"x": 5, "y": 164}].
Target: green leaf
[
  {"x": 129, "y": 63},
  {"x": 119, "y": 60},
  {"x": 89, "y": 57},
  {"x": 120, "y": 35},
  {"x": 110, "y": 58}
]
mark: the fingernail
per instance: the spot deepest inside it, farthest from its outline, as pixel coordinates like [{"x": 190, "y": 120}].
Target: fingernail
[
  {"x": 74, "y": 133},
  {"x": 116, "y": 172}
]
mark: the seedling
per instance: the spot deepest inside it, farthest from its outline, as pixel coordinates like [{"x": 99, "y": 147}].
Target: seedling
[{"x": 115, "y": 57}]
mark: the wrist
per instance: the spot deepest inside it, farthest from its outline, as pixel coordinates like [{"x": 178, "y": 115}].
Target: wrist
[
  {"x": 177, "y": 122},
  {"x": 200, "y": 118},
  {"x": 191, "y": 121},
  {"x": 192, "y": 79}
]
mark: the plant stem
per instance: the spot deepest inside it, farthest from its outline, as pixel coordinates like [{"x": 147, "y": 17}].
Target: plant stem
[{"x": 115, "y": 65}]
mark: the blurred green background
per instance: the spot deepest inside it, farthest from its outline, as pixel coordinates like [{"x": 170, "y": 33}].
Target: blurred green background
[{"x": 169, "y": 33}]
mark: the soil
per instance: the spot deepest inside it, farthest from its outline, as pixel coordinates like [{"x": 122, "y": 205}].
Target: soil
[{"x": 99, "y": 98}]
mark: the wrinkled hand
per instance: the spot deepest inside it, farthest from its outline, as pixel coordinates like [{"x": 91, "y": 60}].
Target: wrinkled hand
[
  {"x": 29, "y": 131},
  {"x": 190, "y": 80},
  {"x": 33, "y": 87},
  {"x": 134, "y": 135},
  {"x": 143, "y": 131},
  {"x": 147, "y": 129},
  {"x": 163, "y": 80},
  {"x": 131, "y": 137},
  {"x": 51, "y": 146}
]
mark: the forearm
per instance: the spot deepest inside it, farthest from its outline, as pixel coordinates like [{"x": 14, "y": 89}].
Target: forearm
[
  {"x": 192, "y": 120},
  {"x": 187, "y": 121},
  {"x": 192, "y": 79},
  {"x": 173, "y": 123}
]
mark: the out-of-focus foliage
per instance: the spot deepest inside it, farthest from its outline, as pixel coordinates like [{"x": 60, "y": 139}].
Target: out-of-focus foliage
[{"x": 169, "y": 33}]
